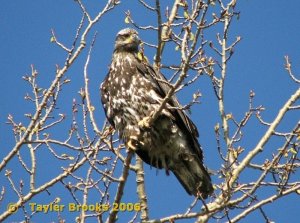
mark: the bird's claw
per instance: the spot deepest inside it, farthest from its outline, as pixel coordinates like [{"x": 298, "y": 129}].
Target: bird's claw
[
  {"x": 144, "y": 123},
  {"x": 132, "y": 143}
]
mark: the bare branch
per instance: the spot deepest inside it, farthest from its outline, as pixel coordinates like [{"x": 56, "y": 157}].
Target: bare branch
[
  {"x": 140, "y": 180},
  {"x": 259, "y": 147},
  {"x": 120, "y": 190},
  {"x": 264, "y": 202}
]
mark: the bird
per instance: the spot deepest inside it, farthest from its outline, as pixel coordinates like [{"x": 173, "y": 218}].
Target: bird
[{"x": 130, "y": 93}]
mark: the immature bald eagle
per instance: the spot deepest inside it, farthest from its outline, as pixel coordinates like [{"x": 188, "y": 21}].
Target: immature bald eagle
[{"x": 130, "y": 92}]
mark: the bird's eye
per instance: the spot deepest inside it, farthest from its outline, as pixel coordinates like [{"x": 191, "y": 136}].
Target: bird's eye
[{"x": 126, "y": 35}]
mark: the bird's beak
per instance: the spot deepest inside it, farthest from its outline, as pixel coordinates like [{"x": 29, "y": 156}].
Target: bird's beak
[{"x": 134, "y": 39}]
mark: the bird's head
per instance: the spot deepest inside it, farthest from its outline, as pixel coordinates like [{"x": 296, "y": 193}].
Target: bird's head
[{"x": 127, "y": 40}]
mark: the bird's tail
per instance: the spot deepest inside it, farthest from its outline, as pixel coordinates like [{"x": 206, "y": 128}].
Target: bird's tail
[{"x": 194, "y": 177}]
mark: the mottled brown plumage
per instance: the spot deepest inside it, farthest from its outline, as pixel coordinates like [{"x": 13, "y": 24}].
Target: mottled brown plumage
[{"x": 132, "y": 91}]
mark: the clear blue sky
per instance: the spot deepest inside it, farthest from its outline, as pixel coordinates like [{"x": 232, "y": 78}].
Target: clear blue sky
[{"x": 268, "y": 31}]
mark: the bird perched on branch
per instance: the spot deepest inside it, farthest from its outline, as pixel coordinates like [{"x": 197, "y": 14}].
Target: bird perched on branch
[{"x": 131, "y": 92}]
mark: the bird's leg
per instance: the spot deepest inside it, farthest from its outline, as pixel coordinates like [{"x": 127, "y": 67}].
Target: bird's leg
[
  {"x": 144, "y": 123},
  {"x": 132, "y": 143}
]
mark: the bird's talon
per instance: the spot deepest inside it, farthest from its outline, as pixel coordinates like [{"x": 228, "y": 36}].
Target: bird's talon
[
  {"x": 144, "y": 123},
  {"x": 133, "y": 142},
  {"x": 130, "y": 145}
]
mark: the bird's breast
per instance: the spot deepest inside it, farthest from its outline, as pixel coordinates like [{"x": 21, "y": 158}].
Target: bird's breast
[{"x": 131, "y": 95}]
